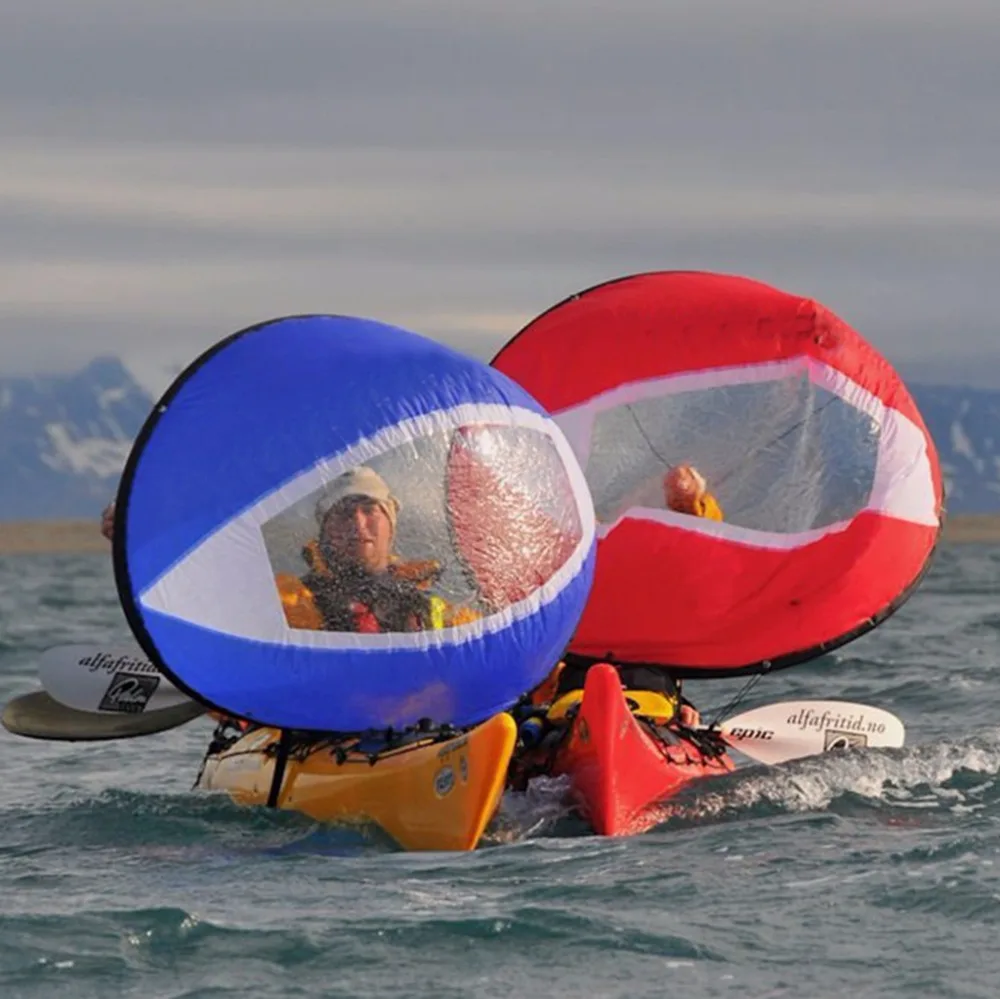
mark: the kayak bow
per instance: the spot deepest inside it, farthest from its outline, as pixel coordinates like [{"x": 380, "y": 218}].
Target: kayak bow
[{"x": 621, "y": 764}]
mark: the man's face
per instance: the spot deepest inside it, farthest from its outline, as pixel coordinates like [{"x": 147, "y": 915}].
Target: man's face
[
  {"x": 360, "y": 531},
  {"x": 682, "y": 488}
]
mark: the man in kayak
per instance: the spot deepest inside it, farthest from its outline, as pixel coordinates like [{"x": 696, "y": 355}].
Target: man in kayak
[
  {"x": 355, "y": 581},
  {"x": 685, "y": 491}
]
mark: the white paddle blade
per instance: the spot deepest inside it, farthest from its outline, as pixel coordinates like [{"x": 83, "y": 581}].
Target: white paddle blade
[
  {"x": 116, "y": 680},
  {"x": 789, "y": 730},
  {"x": 39, "y": 716}
]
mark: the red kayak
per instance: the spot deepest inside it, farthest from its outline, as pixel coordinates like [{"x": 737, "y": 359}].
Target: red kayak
[{"x": 622, "y": 760}]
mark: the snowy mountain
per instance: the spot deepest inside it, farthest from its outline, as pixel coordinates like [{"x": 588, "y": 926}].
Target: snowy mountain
[
  {"x": 965, "y": 425},
  {"x": 64, "y": 439}
]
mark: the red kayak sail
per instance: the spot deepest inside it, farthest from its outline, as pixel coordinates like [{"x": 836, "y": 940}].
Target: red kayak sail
[{"x": 824, "y": 481}]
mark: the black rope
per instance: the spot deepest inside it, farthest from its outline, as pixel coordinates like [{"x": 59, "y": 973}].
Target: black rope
[
  {"x": 645, "y": 437},
  {"x": 744, "y": 459},
  {"x": 737, "y": 698},
  {"x": 766, "y": 447},
  {"x": 720, "y": 479},
  {"x": 280, "y": 763}
]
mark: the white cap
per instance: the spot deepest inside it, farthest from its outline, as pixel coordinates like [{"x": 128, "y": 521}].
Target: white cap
[{"x": 360, "y": 481}]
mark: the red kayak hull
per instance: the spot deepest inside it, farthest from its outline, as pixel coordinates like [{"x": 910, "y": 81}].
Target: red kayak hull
[{"x": 620, "y": 773}]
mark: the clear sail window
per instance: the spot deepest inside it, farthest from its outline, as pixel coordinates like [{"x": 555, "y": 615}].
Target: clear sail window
[
  {"x": 780, "y": 456},
  {"x": 434, "y": 533}
]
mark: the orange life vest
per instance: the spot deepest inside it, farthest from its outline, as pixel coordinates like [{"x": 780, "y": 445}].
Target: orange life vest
[{"x": 302, "y": 610}]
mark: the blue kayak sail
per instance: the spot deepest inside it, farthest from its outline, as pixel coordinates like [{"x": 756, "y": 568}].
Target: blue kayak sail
[{"x": 331, "y": 524}]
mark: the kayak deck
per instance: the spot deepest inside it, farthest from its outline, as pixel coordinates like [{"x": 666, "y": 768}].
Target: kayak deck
[{"x": 428, "y": 794}]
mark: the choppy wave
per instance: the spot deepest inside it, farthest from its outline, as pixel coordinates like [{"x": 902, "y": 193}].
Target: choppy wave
[{"x": 871, "y": 873}]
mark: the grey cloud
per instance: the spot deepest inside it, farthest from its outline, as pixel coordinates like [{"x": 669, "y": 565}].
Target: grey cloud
[
  {"x": 415, "y": 73},
  {"x": 189, "y": 168}
]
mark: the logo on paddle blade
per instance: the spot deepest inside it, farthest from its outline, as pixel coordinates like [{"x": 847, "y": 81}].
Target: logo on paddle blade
[
  {"x": 836, "y": 721},
  {"x": 751, "y": 733},
  {"x": 109, "y": 664},
  {"x": 129, "y": 693},
  {"x": 843, "y": 740}
]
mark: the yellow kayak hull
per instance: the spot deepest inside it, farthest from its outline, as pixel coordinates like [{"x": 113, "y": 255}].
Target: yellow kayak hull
[{"x": 427, "y": 795}]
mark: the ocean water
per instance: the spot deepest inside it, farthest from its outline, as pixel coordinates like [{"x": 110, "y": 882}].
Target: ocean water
[{"x": 869, "y": 874}]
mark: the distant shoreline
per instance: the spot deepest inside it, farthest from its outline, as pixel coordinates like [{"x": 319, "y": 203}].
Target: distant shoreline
[
  {"x": 972, "y": 528},
  {"x": 83, "y": 537},
  {"x": 52, "y": 537}
]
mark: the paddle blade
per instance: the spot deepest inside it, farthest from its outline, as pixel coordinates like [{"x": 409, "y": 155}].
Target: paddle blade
[
  {"x": 38, "y": 716},
  {"x": 789, "y": 730},
  {"x": 117, "y": 680}
]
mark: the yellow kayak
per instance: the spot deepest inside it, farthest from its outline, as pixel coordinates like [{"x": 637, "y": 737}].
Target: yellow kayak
[{"x": 428, "y": 794}]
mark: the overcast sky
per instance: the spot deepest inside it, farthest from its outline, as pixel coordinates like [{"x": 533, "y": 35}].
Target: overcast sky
[{"x": 171, "y": 172}]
